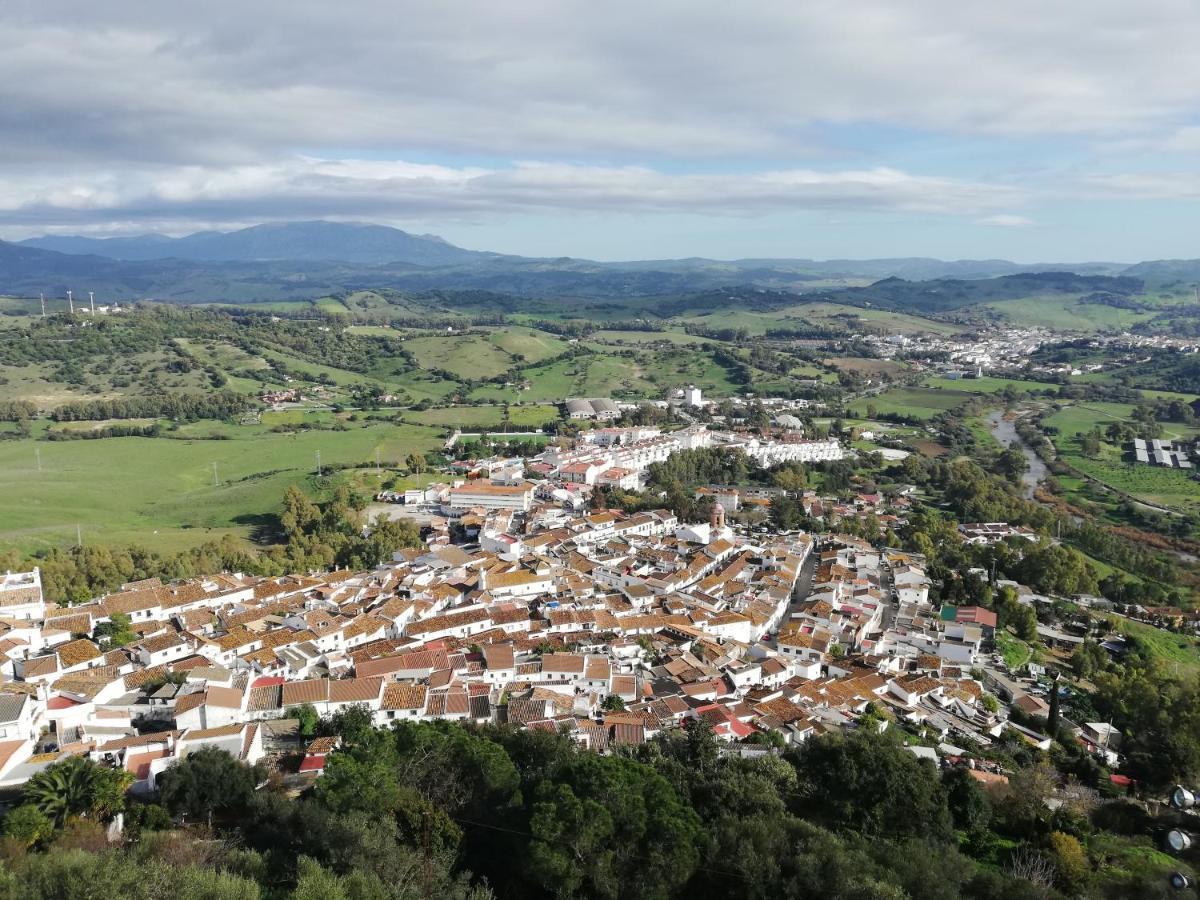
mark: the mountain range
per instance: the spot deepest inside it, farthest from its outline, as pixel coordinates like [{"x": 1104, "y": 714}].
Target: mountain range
[{"x": 303, "y": 260}]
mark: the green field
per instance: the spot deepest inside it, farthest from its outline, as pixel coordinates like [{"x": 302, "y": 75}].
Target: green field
[
  {"x": 1176, "y": 650},
  {"x": 159, "y": 492},
  {"x": 1173, "y": 488},
  {"x": 475, "y": 417},
  {"x": 917, "y": 402},
  {"x": 469, "y": 356},
  {"x": 1072, "y": 420},
  {"x": 1067, "y": 314},
  {"x": 988, "y": 384}
]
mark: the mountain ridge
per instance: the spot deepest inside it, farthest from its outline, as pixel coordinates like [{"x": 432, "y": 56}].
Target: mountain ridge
[{"x": 301, "y": 261}]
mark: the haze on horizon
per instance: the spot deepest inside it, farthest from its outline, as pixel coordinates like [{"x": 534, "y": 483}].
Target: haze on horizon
[{"x": 617, "y": 131}]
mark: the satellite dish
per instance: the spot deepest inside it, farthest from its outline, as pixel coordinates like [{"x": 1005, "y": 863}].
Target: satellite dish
[
  {"x": 1182, "y": 798},
  {"x": 1178, "y": 841}
]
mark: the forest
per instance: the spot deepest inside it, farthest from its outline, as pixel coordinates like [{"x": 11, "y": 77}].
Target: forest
[{"x": 444, "y": 810}]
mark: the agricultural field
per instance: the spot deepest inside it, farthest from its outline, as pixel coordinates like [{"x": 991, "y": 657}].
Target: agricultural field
[
  {"x": 988, "y": 384},
  {"x": 159, "y": 492},
  {"x": 1066, "y": 314},
  {"x": 470, "y": 418},
  {"x": 468, "y": 356},
  {"x": 1171, "y": 488},
  {"x": 916, "y": 402},
  {"x": 866, "y": 367},
  {"x": 648, "y": 337},
  {"x": 526, "y": 345}
]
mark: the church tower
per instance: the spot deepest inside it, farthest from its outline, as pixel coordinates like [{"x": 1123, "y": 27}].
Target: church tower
[{"x": 717, "y": 519}]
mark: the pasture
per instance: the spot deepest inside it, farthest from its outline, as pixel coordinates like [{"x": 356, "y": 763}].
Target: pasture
[{"x": 160, "y": 492}]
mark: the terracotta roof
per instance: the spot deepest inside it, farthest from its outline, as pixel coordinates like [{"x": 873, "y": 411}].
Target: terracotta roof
[
  {"x": 74, "y": 653},
  {"x": 404, "y": 696},
  {"x": 354, "y": 690}
]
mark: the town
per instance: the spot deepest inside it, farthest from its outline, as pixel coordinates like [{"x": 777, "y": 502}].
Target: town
[{"x": 526, "y": 606}]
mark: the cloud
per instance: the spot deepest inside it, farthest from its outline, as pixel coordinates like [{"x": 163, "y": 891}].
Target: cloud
[
  {"x": 555, "y": 78},
  {"x": 1178, "y": 185},
  {"x": 1006, "y": 220},
  {"x": 142, "y": 113},
  {"x": 356, "y": 188}
]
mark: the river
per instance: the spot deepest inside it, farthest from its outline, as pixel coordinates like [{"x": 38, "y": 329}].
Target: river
[{"x": 1005, "y": 431}]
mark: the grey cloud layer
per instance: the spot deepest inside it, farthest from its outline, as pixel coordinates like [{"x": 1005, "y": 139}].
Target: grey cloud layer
[
  {"x": 146, "y": 109},
  {"x": 307, "y": 186}
]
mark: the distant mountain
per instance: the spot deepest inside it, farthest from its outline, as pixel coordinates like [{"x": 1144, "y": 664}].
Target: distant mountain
[
  {"x": 303, "y": 260},
  {"x": 334, "y": 241}
]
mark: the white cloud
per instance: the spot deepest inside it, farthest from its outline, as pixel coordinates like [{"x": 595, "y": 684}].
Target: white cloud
[
  {"x": 307, "y": 186},
  {"x": 544, "y": 78},
  {"x": 1006, "y": 220},
  {"x": 139, "y": 111},
  {"x": 1144, "y": 185}
]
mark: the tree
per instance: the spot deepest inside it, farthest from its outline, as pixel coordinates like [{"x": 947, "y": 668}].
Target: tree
[
  {"x": 614, "y": 703},
  {"x": 415, "y": 462},
  {"x": 868, "y": 782},
  {"x": 116, "y": 632},
  {"x": 78, "y": 787},
  {"x": 1088, "y": 658},
  {"x": 307, "y": 718},
  {"x": 1069, "y": 859},
  {"x": 208, "y": 781},
  {"x": 1052, "y": 717},
  {"x": 28, "y": 825},
  {"x": 969, "y": 805},
  {"x": 611, "y": 827}
]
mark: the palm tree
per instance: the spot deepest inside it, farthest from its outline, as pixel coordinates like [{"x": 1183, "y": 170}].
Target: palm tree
[
  {"x": 416, "y": 463},
  {"x": 62, "y": 790},
  {"x": 77, "y": 787}
]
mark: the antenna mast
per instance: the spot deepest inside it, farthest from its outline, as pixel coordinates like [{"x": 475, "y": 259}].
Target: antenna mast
[
  {"x": 42, "y": 297},
  {"x": 92, "y": 301},
  {"x": 71, "y": 301}
]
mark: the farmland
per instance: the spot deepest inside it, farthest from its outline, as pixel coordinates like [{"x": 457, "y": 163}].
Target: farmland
[
  {"x": 913, "y": 402},
  {"x": 160, "y": 492}
]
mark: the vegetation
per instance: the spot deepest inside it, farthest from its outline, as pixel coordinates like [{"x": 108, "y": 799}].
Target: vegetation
[{"x": 444, "y": 810}]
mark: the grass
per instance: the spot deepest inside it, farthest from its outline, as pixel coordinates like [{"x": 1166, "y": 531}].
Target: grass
[
  {"x": 1066, "y": 314},
  {"x": 528, "y": 345},
  {"x": 917, "y": 402},
  {"x": 988, "y": 384},
  {"x": 469, "y": 356},
  {"x": 464, "y": 417},
  {"x": 1014, "y": 651},
  {"x": 1173, "y": 649},
  {"x": 648, "y": 337},
  {"x": 1161, "y": 486},
  {"x": 866, "y": 367},
  {"x": 1076, "y": 419},
  {"x": 160, "y": 492}
]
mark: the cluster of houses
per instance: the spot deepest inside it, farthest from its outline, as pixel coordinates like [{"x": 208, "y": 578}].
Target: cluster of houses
[
  {"x": 521, "y": 606},
  {"x": 610, "y": 458},
  {"x": 604, "y": 626}
]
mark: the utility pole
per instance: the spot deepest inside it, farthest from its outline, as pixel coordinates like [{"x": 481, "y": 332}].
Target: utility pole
[
  {"x": 376, "y": 460},
  {"x": 71, "y": 302},
  {"x": 318, "y": 463},
  {"x": 216, "y": 482},
  {"x": 92, "y": 303},
  {"x": 42, "y": 297},
  {"x": 78, "y": 535},
  {"x": 37, "y": 453}
]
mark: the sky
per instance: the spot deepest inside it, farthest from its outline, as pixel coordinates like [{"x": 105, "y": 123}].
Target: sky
[{"x": 1065, "y": 131}]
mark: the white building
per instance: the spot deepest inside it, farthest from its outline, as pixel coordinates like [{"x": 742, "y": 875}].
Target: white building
[
  {"x": 21, "y": 596},
  {"x": 492, "y": 496}
]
